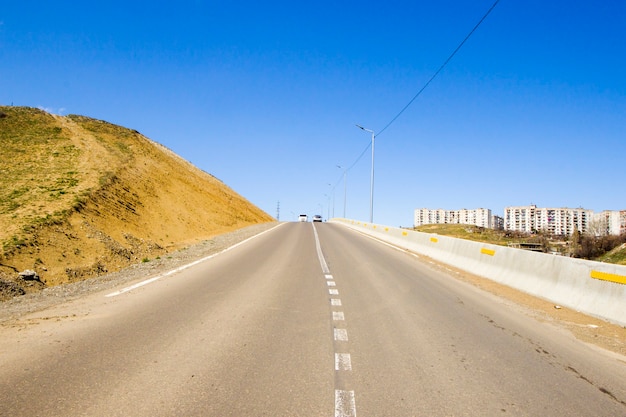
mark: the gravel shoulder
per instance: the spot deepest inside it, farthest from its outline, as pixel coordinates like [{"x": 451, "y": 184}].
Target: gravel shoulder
[{"x": 17, "y": 307}]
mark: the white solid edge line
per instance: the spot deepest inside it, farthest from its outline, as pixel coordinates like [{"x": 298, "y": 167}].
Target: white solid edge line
[{"x": 189, "y": 265}]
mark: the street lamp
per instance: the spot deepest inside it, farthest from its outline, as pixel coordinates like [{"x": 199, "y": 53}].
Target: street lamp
[
  {"x": 345, "y": 189},
  {"x": 372, "y": 176}
]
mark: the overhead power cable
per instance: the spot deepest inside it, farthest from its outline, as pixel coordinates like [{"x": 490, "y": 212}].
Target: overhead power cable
[
  {"x": 351, "y": 166},
  {"x": 440, "y": 68},
  {"x": 425, "y": 85}
]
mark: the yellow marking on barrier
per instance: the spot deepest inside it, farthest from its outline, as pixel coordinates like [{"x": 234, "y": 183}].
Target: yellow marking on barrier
[
  {"x": 405, "y": 234},
  {"x": 374, "y": 227},
  {"x": 386, "y": 229},
  {"x": 434, "y": 239},
  {"x": 605, "y": 276},
  {"x": 489, "y": 252}
]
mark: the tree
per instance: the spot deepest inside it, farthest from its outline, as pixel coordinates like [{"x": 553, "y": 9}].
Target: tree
[
  {"x": 597, "y": 227},
  {"x": 574, "y": 244}
]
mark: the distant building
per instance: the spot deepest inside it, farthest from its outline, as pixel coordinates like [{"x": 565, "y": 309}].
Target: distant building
[
  {"x": 530, "y": 219},
  {"x": 520, "y": 219},
  {"x": 478, "y": 217},
  {"x": 497, "y": 222},
  {"x": 554, "y": 221},
  {"x": 610, "y": 222}
]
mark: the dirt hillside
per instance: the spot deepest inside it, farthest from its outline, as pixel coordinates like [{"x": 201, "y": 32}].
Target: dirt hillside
[{"x": 80, "y": 197}]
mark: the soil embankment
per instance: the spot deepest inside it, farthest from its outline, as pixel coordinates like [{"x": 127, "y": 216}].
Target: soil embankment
[{"x": 81, "y": 197}]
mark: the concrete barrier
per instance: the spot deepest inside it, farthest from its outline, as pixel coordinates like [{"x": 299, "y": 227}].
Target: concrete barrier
[{"x": 595, "y": 288}]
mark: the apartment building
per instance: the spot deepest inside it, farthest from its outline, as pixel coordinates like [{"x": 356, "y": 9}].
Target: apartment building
[
  {"x": 497, "y": 222},
  {"x": 555, "y": 221},
  {"x": 529, "y": 219},
  {"x": 478, "y": 217},
  {"x": 520, "y": 219},
  {"x": 610, "y": 222}
]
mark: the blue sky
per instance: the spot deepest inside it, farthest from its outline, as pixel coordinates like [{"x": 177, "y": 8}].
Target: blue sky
[{"x": 265, "y": 96}]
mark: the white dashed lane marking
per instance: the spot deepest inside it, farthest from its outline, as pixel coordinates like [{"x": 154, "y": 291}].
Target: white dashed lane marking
[
  {"x": 338, "y": 316},
  {"x": 345, "y": 403},
  {"x": 341, "y": 335},
  {"x": 343, "y": 362}
]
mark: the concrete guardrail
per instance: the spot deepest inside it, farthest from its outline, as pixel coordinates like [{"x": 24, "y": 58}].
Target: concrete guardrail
[{"x": 595, "y": 288}]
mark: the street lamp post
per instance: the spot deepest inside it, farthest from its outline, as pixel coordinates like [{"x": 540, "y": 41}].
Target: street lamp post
[{"x": 372, "y": 175}]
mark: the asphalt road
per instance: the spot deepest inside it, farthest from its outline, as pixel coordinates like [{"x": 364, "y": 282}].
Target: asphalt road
[{"x": 305, "y": 320}]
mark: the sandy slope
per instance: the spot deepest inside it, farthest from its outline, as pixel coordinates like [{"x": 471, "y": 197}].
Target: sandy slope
[{"x": 129, "y": 199}]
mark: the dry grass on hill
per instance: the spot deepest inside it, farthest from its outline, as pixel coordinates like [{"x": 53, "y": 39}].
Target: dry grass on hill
[{"x": 80, "y": 197}]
